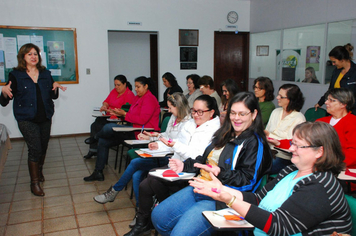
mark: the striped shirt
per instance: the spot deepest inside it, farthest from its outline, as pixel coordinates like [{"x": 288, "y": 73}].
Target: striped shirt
[{"x": 317, "y": 206}]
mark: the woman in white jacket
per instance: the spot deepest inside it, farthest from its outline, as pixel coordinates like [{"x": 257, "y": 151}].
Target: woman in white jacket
[{"x": 191, "y": 142}]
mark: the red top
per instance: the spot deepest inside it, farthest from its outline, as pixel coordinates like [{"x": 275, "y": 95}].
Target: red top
[
  {"x": 117, "y": 102},
  {"x": 346, "y": 130},
  {"x": 145, "y": 111}
]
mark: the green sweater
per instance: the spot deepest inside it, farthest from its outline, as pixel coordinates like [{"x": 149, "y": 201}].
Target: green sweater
[{"x": 266, "y": 110}]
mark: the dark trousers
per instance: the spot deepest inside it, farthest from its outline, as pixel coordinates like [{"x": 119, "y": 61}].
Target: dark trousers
[
  {"x": 36, "y": 136},
  {"x": 95, "y": 127},
  {"x": 154, "y": 186}
]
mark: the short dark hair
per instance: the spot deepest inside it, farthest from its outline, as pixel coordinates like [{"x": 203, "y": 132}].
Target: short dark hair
[
  {"x": 340, "y": 53},
  {"x": 195, "y": 78},
  {"x": 170, "y": 78},
  {"x": 26, "y": 48},
  {"x": 321, "y": 134},
  {"x": 344, "y": 95},
  {"x": 123, "y": 80},
  {"x": 206, "y": 80},
  {"x": 231, "y": 87},
  {"x": 266, "y": 84},
  {"x": 295, "y": 97},
  {"x": 210, "y": 103}
]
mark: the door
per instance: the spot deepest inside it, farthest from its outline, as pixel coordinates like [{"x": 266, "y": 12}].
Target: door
[{"x": 231, "y": 58}]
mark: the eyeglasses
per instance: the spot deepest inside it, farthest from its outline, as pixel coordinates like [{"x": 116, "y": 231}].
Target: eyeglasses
[
  {"x": 281, "y": 97},
  {"x": 240, "y": 114},
  {"x": 330, "y": 100},
  {"x": 189, "y": 82},
  {"x": 297, "y": 147},
  {"x": 199, "y": 112},
  {"x": 258, "y": 89}
]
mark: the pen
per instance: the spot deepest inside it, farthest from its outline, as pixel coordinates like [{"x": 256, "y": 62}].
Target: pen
[
  {"x": 237, "y": 215},
  {"x": 217, "y": 214},
  {"x": 143, "y": 126}
]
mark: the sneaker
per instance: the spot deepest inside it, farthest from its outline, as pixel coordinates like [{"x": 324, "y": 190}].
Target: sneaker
[{"x": 108, "y": 196}]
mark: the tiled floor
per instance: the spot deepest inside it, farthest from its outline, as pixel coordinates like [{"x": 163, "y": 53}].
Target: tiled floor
[{"x": 68, "y": 207}]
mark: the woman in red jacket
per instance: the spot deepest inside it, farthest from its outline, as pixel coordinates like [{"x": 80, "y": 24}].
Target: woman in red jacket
[{"x": 144, "y": 112}]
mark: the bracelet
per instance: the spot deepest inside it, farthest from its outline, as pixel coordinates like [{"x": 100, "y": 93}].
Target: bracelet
[{"x": 231, "y": 201}]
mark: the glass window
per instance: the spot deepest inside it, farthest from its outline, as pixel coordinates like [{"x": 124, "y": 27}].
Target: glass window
[
  {"x": 302, "y": 49},
  {"x": 339, "y": 34},
  {"x": 263, "y": 48}
]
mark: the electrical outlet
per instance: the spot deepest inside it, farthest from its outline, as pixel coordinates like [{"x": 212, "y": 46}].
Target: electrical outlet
[{"x": 88, "y": 71}]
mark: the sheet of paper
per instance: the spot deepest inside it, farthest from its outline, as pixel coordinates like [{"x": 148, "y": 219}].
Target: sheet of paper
[
  {"x": 21, "y": 40},
  {"x": 38, "y": 41}
]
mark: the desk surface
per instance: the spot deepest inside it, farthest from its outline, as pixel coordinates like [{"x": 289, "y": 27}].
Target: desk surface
[
  {"x": 136, "y": 142},
  {"x": 129, "y": 129},
  {"x": 220, "y": 223},
  {"x": 345, "y": 177}
]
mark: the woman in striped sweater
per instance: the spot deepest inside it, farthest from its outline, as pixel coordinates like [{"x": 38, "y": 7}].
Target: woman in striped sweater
[{"x": 305, "y": 198}]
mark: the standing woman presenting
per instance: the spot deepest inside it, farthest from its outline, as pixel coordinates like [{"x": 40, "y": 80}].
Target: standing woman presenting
[
  {"x": 344, "y": 75},
  {"x": 32, "y": 88}
]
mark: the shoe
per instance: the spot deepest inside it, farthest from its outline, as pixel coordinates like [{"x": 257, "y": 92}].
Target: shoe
[
  {"x": 108, "y": 196},
  {"x": 142, "y": 227},
  {"x": 96, "y": 175},
  {"x": 133, "y": 222},
  {"x": 90, "y": 140},
  {"x": 34, "y": 175},
  {"x": 90, "y": 155}
]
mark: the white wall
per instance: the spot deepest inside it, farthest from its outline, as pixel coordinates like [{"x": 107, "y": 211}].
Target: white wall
[
  {"x": 93, "y": 19},
  {"x": 129, "y": 54}
]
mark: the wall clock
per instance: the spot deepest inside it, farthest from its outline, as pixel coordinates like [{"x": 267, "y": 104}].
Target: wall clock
[{"x": 232, "y": 17}]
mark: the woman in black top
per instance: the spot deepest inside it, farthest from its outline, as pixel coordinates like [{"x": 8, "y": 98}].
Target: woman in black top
[
  {"x": 32, "y": 88},
  {"x": 172, "y": 86}
]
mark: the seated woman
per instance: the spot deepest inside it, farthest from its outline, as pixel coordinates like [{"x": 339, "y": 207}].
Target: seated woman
[
  {"x": 138, "y": 167},
  {"x": 119, "y": 96},
  {"x": 263, "y": 88},
  {"x": 144, "y": 112},
  {"x": 170, "y": 81},
  {"x": 193, "y": 89},
  {"x": 283, "y": 120},
  {"x": 191, "y": 142},
  {"x": 239, "y": 156},
  {"x": 206, "y": 85},
  {"x": 310, "y": 76},
  {"x": 228, "y": 88},
  {"x": 305, "y": 198}
]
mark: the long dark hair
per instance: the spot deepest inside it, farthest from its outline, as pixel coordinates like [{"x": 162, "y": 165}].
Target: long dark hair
[
  {"x": 227, "y": 132},
  {"x": 21, "y": 66},
  {"x": 231, "y": 87},
  {"x": 170, "y": 78},
  {"x": 151, "y": 85},
  {"x": 266, "y": 84},
  {"x": 123, "y": 80}
]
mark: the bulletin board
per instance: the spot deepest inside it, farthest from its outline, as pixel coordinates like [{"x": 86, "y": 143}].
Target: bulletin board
[{"x": 58, "y": 50}]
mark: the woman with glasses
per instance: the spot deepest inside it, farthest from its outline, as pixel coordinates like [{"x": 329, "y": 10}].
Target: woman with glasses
[
  {"x": 228, "y": 88},
  {"x": 263, "y": 88},
  {"x": 283, "y": 120},
  {"x": 339, "y": 103},
  {"x": 138, "y": 167},
  {"x": 191, "y": 142},
  {"x": 193, "y": 89},
  {"x": 239, "y": 156},
  {"x": 304, "y": 199}
]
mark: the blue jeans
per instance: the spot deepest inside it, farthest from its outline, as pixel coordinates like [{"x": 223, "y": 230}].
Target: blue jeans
[
  {"x": 107, "y": 138},
  {"x": 137, "y": 170},
  {"x": 181, "y": 214}
]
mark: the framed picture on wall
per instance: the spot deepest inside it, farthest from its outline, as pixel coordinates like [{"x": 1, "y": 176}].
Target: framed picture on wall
[
  {"x": 262, "y": 50},
  {"x": 188, "y": 37}
]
